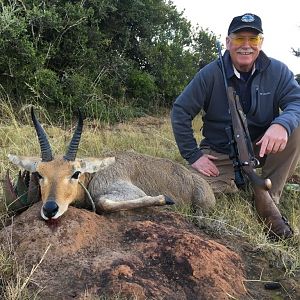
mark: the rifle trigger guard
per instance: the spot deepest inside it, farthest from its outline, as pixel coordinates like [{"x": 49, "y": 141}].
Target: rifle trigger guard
[{"x": 256, "y": 162}]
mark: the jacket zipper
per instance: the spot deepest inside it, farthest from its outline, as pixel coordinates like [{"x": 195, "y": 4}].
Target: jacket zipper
[{"x": 256, "y": 101}]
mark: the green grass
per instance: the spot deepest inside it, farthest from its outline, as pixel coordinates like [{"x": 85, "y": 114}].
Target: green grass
[{"x": 232, "y": 215}]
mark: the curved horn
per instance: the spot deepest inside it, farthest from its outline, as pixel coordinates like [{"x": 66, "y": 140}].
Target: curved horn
[
  {"x": 46, "y": 152},
  {"x": 73, "y": 147}
]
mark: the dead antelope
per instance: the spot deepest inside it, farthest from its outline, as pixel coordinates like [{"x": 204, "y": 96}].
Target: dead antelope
[{"x": 125, "y": 181}]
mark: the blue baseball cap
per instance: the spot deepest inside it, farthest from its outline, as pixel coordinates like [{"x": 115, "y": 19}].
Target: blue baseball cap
[{"x": 246, "y": 21}]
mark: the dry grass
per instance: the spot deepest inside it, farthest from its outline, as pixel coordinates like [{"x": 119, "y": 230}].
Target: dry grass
[{"x": 231, "y": 216}]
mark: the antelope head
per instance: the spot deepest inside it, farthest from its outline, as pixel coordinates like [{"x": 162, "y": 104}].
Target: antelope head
[{"x": 59, "y": 177}]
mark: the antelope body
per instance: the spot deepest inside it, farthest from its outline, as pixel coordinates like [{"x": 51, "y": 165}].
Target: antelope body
[{"x": 124, "y": 181}]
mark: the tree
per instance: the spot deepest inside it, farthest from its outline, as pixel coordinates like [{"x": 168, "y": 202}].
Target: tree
[
  {"x": 205, "y": 46},
  {"x": 115, "y": 58},
  {"x": 296, "y": 52}
]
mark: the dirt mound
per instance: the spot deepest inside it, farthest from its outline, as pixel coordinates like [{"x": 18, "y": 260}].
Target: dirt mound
[{"x": 150, "y": 255}]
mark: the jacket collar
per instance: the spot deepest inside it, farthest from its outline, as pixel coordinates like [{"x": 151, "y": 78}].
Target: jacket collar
[{"x": 261, "y": 63}]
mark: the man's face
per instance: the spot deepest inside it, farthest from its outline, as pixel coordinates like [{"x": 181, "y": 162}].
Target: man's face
[{"x": 244, "y": 48}]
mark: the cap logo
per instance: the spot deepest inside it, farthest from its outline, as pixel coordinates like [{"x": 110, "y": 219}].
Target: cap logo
[{"x": 247, "y": 18}]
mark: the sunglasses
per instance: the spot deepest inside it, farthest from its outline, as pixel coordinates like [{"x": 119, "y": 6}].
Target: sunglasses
[{"x": 241, "y": 40}]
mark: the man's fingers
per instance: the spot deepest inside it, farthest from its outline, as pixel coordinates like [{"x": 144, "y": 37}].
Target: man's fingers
[
  {"x": 263, "y": 148},
  {"x": 259, "y": 142},
  {"x": 211, "y": 157},
  {"x": 204, "y": 173},
  {"x": 213, "y": 170},
  {"x": 274, "y": 140},
  {"x": 205, "y": 165},
  {"x": 209, "y": 172},
  {"x": 270, "y": 147},
  {"x": 276, "y": 147},
  {"x": 282, "y": 147}
]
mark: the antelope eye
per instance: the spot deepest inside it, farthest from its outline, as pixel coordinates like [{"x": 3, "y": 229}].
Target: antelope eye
[{"x": 76, "y": 175}]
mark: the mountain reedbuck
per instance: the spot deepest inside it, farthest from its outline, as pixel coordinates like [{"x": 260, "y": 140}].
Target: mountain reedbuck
[{"x": 125, "y": 181}]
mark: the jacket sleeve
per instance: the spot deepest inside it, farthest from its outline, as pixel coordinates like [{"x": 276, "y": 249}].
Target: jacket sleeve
[
  {"x": 288, "y": 95},
  {"x": 185, "y": 108}
]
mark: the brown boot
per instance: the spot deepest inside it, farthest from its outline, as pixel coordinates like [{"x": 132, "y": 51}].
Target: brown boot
[{"x": 278, "y": 226}]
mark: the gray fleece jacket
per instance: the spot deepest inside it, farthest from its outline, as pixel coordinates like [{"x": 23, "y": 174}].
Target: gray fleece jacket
[{"x": 275, "y": 98}]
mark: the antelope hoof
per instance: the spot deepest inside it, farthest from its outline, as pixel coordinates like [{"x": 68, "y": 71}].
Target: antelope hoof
[{"x": 169, "y": 201}]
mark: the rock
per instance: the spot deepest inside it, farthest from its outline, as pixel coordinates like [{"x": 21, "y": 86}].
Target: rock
[{"x": 152, "y": 254}]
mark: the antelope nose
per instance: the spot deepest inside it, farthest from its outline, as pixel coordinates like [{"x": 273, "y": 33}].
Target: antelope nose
[{"x": 50, "y": 209}]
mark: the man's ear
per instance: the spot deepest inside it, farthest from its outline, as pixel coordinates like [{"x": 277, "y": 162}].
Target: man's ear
[
  {"x": 227, "y": 42},
  {"x": 27, "y": 163},
  {"x": 92, "y": 165}
]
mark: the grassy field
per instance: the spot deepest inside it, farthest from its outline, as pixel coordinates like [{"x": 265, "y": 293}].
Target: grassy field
[{"x": 232, "y": 216}]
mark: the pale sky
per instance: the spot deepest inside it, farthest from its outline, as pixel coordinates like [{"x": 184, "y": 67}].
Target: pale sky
[{"x": 280, "y": 22}]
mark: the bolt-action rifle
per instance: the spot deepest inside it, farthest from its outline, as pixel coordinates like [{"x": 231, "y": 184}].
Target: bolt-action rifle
[{"x": 245, "y": 162}]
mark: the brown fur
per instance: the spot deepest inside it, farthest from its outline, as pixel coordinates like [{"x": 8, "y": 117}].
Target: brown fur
[{"x": 126, "y": 181}]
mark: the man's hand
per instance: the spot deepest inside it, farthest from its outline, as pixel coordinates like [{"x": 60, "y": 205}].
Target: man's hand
[
  {"x": 274, "y": 140},
  {"x": 205, "y": 165}
]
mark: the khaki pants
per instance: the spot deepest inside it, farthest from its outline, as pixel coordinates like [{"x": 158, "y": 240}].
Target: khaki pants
[{"x": 278, "y": 167}]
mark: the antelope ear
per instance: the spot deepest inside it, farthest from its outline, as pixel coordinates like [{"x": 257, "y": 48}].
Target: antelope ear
[
  {"x": 92, "y": 165},
  {"x": 27, "y": 163}
]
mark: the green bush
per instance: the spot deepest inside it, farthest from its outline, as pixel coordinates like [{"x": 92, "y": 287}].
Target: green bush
[
  {"x": 142, "y": 87},
  {"x": 46, "y": 87},
  {"x": 137, "y": 55}
]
